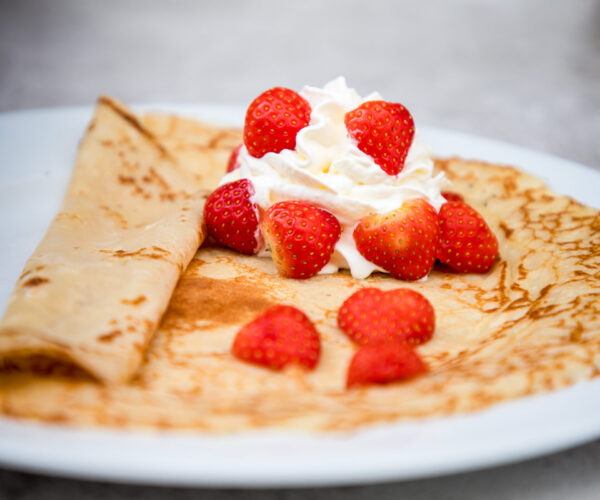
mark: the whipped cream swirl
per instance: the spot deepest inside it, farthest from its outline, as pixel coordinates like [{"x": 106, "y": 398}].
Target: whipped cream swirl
[{"x": 329, "y": 170}]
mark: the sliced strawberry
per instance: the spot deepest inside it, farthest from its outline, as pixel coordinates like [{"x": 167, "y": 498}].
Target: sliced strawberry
[
  {"x": 384, "y": 131},
  {"x": 273, "y": 119},
  {"x": 466, "y": 242},
  {"x": 280, "y": 336},
  {"x": 232, "y": 217},
  {"x": 383, "y": 363},
  {"x": 371, "y": 316},
  {"x": 302, "y": 237},
  {"x": 233, "y": 163},
  {"x": 452, "y": 196},
  {"x": 403, "y": 242}
]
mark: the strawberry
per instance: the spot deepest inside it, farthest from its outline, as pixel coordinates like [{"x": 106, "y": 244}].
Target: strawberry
[
  {"x": 233, "y": 163},
  {"x": 232, "y": 217},
  {"x": 280, "y": 336},
  {"x": 452, "y": 196},
  {"x": 273, "y": 119},
  {"x": 382, "y": 363},
  {"x": 371, "y": 316},
  {"x": 384, "y": 131},
  {"x": 302, "y": 237},
  {"x": 403, "y": 242},
  {"x": 466, "y": 244}
]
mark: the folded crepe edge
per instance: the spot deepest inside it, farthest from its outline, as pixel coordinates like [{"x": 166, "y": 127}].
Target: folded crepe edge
[
  {"x": 120, "y": 108},
  {"x": 35, "y": 354}
]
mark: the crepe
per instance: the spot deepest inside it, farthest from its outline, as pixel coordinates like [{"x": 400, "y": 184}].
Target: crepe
[
  {"x": 531, "y": 325},
  {"x": 98, "y": 283}
]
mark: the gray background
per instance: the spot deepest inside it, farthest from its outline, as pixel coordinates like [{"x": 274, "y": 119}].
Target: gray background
[{"x": 527, "y": 72}]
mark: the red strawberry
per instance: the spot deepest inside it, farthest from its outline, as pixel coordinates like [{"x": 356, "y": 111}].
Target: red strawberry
[
  {"x": 382, "y": 363},
  {"x": 452, "y": 196},
  {"x": 280, "y": 336},
  {"x": 233, "y": 159},
  {"x": 466, "y": 244},
  {"x": 302, "y": 237},
  {"x": 384, "y": 131},
  {"x": 402, "y": 242},
  {"x": 273, "y": 119},
  {"x": 232, "y": 216},
  {"x": 370, "y": 316}
]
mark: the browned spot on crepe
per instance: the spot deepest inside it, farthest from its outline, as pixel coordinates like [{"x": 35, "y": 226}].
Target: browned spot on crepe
[
  {"x": 150, "y": 253},
  {"x": 126, "y": 179},
  {"x": 151, "y": 177},
  {"x": 135, "y": 302},
  {"x": 108, "y": 337},
  {"x": 115, "y": 215},
  {"x": 218, "y": 302},
  {"x": 35, "y": 281},
  {"x": 505, "y": 229}
]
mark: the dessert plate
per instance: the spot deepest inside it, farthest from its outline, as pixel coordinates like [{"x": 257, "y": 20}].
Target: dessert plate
[{"x": 37, "y": 150}]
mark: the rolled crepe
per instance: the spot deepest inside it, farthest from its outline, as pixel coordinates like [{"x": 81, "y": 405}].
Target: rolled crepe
[{"x": 97, "y": 285}]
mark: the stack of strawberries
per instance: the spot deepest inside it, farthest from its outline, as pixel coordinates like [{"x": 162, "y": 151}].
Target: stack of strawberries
[{"x": 302, "y": 236}]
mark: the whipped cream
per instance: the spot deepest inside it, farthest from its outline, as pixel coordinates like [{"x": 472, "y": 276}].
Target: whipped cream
[{"x": 329, "y": 170}]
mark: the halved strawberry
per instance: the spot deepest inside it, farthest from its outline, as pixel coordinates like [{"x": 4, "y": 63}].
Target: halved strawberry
[
  {"x": 233, "y": 163},
  {"x": 403, "y": 242},
  {"x": 280, "y": 336},
  {"x": 466, "y": 242},
  {"x": 232, "y": 217},
  {"x": 371, "y": 316},
  {"x": 452, "y": 196},
  {"x": 383, "y": 363},
  {"x": 384, "y": 131},
  {"x": 302, "y": 237},
  {"x": 273, "y": 119}
]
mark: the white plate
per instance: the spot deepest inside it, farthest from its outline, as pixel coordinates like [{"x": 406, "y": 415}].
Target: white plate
[{"x": 36, "y": 154}]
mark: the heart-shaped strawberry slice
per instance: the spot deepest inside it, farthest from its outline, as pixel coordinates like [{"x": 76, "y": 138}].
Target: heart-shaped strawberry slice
[
  {"x": 273, "y": 120},
  {"x": 384, "y": 131},
  {"x": 384, "y": 363},
  {"x": 302, "y": 237},
  {"x": 466, "y": 242},
  {"x": 232, "y": 217},
  {"x": 372, "y": 316},
  {"x": 280, "y": 336},
  {"x": 403, "y": 242}
]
